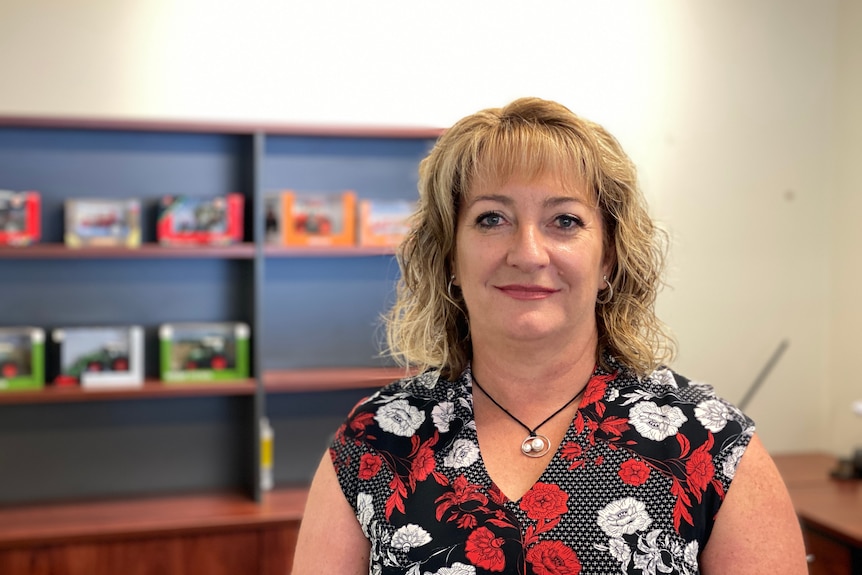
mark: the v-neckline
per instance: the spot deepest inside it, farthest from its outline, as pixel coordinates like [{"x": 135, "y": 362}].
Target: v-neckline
[{"x": 569, "y": 435}]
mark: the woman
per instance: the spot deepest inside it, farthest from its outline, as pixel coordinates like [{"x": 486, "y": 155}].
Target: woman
[{"x": 543, "y": 434}]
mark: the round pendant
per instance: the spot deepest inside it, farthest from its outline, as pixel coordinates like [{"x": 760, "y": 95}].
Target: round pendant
[{"x": 535, "y": 445}]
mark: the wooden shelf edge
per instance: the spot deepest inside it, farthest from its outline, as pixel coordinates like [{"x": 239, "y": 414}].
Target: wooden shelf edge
[
  {"x": 157, "y": 251},
  {"x": 281, "y": 251},
  {"x": 331, "y": 379},
  {"x": 150, "y": 389},
  {"x": 149, "y": 250},
  {"x": 274, "y": 381},
  {"x": 29, "y": 525}
]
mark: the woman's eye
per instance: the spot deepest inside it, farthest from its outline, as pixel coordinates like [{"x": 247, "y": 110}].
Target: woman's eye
[
  {"x": 489, "y": 220},
  {"x": 568, "y": 222}
]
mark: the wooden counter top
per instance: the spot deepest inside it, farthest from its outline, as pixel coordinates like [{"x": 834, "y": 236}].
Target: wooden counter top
[
  {"x": 832, "y": 505},
  {"x": 39, "y": 524}
]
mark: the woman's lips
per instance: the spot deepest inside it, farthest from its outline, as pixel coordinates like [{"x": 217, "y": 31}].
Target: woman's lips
[{"x": 526, "y": 292}]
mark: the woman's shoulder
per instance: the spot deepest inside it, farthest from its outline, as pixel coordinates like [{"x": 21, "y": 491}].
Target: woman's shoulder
[
  {"x": 666, "y": 384},
  {"x": 669, "y": 392},
  {"x": 405, "y": 413},
  {"x": 419, "y": 394},
  {"x": 424, "y": 386}
]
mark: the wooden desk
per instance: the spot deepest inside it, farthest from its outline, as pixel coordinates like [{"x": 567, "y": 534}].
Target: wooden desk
[
  {"x": 830, "y": 511},
  {"x": 213, "y": 534}
]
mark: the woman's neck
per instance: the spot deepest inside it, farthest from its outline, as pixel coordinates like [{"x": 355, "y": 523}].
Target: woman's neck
[{"x": 513, "y": 373}]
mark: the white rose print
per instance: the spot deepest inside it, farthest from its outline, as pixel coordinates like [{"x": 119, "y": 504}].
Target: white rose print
[
  {"x": 399, "y": 418},
  {"x": 464, "y": 453},
  {"x": 690, "y": 553},
  {"x": 624, "y": 517},
  {"x": 456, "y": 569},
  {"x": 364, "y": 510},
  {"x": 732, "y": 461},
  {"x": 712, "y": 414},
  {"x": 654, "y": 422},
  {"x": 443, "y": 414},
  {"x": 620, "y": 550},
  {"x": 410, "y": 536}
]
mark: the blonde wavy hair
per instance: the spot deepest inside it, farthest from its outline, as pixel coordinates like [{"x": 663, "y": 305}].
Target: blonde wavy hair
[{"x": 427, "y": 327}]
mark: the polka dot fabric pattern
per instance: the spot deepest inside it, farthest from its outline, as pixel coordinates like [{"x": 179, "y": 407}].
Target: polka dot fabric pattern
[{"x": 633, "y": 487}]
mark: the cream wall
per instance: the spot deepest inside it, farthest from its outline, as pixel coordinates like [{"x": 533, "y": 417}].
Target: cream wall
[
  {"x": 846, "y": 233},
  {"x": 741, "y": 116}
]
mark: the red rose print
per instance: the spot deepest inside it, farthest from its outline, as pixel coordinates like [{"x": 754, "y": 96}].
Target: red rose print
[
  {"x": 594, "y": 393},
  {"x": 634, "y": 472},
  {"x": 571, "y": 450},
  {"x": 466, "y": 522},
  {"x": 700, "y": 470},
  {"x": 423, "y": 464},
  {"x": 544, "y": 501},
  {"x": 461, "y": 492},
  {"x": 483, "y": 550},
  {"x": 358, "y": 427},
  {"x": 369, "y": 465},
  {"x": 360, "y": 422},
  {"x": 553, "y": 558},
  {"x": 596, "y": 388}
]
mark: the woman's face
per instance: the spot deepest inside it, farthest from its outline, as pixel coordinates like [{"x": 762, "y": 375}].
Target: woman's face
[{"x": 529, "y": 261}]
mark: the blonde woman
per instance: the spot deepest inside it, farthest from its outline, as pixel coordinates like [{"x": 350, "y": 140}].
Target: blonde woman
[{"x": 544, "y": 434}]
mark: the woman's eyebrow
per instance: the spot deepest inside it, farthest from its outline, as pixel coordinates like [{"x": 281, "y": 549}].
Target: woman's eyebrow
[
  {"x": 559, "y": 200},
  {"x": 503, "y": 199},
  {"x": 508, "y": 201}
]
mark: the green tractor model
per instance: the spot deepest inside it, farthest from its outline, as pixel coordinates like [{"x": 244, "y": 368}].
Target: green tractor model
[
  {"x": 208, "y": 353},
  {"x": 106, "y": 358},
  {"x": 11, "y": 362}
]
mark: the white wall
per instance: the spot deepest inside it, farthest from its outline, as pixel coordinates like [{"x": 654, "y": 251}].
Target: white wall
[{"x": 729, "y": 107}]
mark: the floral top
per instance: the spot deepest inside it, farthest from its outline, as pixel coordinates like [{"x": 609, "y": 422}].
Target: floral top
[{"x": 634, "y": 486}]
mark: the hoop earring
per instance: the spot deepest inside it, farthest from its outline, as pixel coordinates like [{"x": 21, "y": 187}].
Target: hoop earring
[
  {"x": 449, "y": 287},
  {"x": 609, "y": 293}
]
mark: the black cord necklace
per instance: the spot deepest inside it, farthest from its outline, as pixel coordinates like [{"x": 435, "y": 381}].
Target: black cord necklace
[{"x": 535, "y": 444}]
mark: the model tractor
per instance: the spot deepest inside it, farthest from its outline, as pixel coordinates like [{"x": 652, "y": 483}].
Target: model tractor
[
  {"x": 207, "y": 353},
  {"x": 10, "y": 365},
  {"x": 106, "y": 358},
  {"x": 313, "y": 223},
  {"x": 209, "y": 216}
]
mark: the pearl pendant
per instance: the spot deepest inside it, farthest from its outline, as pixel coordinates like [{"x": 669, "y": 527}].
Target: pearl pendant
[{"x": 535, "y": 445}]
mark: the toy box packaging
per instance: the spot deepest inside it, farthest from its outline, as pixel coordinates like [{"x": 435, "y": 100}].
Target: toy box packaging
[
  {"x": 100, "y": 357},
  {"x": 272, "y": 218},
  {"x": 204, "y": 351},
  {"x": 384, "y": 222},
  {"x": 311, "y": 219},
  {"x": 22, "y": 358},
  {"x": 103, "y": 222},
  {"x": 184, "y": 220},
  {"x": 20, "y": 218}
]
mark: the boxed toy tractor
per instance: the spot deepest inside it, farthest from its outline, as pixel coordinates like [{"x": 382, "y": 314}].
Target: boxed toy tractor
[
  {"x": 204, "y": 351},
  {"x": 22, "y": 358}
]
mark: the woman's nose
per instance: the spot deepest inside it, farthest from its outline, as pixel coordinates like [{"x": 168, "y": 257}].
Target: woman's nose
[{"x": 527, "y": 249}]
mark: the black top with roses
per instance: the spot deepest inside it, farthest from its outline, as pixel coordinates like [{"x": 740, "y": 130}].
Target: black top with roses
[{"x": 633, "y": 488}]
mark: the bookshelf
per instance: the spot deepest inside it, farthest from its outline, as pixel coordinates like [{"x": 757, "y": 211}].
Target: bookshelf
[{"x": 314, "y": 312}]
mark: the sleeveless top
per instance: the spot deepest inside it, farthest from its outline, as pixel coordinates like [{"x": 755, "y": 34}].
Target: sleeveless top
[{"x": 634, "y": 486}]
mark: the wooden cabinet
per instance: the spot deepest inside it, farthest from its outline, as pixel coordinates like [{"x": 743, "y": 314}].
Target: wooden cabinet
[
  {"x": 829, "y": 510},
  {"x": 827, "y": 555},
  {"x": 215, "y": 534},
  {"x": 313, "y": 314}
]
